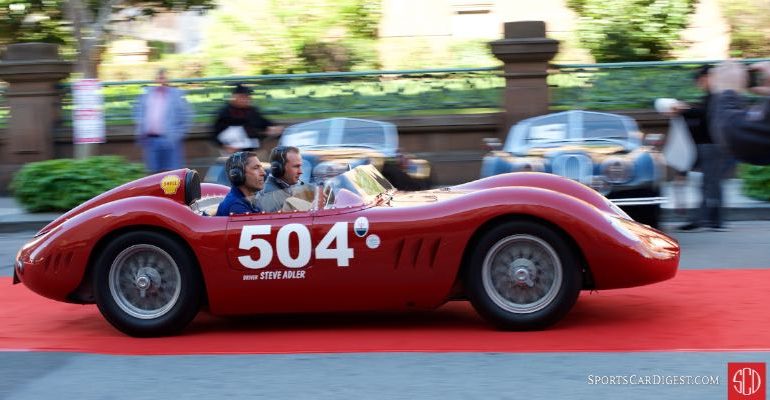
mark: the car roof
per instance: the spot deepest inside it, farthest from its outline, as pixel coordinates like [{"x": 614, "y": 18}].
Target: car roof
[
  {"x": 304, "y": 134},
  {"x": 574, "y": 123}
]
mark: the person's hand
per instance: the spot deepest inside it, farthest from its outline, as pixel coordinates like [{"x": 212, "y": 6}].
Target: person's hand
[
  {"x": 728, "y": 75},
  {"x": 274, "y": 130},
  {"x": 764, "y": 85}
]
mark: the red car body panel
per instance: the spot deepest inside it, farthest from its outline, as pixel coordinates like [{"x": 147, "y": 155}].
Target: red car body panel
[{"x": 410, "y": 255}]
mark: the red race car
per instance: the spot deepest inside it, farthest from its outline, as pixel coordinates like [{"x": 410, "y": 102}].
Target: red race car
[{"x": 519, "y": 246}]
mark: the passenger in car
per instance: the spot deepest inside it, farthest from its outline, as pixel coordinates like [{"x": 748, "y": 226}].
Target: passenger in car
[
  {"x": 247, "y": 177},
  {"x": 283, "y": 182}
]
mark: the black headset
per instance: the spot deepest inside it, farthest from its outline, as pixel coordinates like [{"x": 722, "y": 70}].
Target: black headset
[
  {"x": 278, "y": 161},
  {"x": 236, "y": 168}
]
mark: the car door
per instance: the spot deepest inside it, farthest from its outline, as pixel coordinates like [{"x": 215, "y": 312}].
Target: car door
[{"x": 269, "y": 256}]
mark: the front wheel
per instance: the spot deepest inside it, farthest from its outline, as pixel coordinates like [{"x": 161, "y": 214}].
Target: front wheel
[
  {"x": 147, "y": 284},
  {"x": 523, "y": 276}
]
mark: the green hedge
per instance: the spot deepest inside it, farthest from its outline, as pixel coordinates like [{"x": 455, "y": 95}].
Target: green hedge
[
  {"x": 61, "y": 184},
  {"x": 756, "y": 181}
]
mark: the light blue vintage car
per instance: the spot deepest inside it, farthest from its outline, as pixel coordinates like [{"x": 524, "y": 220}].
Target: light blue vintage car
[
  {"x": 332, "y": 146},
  {"x": 602, "y": 150}
]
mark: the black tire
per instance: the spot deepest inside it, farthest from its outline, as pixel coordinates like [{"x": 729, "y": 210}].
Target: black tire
[
  {"x": 147, "y": 284},
  {"x": 538, "y": 270}
]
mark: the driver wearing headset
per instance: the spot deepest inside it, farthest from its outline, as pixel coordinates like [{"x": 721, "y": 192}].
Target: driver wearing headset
[
  {"x": 247, "y": 177},
  {"x": 283, "y": 182}
]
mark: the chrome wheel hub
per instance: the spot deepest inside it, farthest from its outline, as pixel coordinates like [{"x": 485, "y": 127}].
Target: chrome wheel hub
[
  {"x": 145, "y": 281},
  {"x": 522, "y": 274}
]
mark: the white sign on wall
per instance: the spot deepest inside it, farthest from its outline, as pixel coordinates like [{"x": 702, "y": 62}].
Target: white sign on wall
[{"x": 88, "y": 111}]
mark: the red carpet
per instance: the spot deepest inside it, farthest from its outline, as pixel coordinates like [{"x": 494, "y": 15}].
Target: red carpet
[{"x": 708, "y": 310}]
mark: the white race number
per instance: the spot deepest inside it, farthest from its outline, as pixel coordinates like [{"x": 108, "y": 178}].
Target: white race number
[
  {"x": 342, "y": 253},
  {"x": 338, "y": 234}
]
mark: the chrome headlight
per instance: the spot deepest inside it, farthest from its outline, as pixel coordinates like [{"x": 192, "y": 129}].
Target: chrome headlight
[
  {"x": 617, "y": 170},
  {"x": 329, "y": 169}
]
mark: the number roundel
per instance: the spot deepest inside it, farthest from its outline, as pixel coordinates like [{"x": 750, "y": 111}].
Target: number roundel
[{"x": 337, "y": 235}]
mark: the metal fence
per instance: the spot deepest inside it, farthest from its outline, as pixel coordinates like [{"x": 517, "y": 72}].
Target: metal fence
[{"x": 608, "y": 86}]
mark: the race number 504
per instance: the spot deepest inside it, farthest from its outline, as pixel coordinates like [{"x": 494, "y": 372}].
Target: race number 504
[{"x": 250, "y": 239}]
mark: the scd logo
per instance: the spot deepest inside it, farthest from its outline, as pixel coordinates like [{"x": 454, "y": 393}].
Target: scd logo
[{"x": 746, "y": 381}]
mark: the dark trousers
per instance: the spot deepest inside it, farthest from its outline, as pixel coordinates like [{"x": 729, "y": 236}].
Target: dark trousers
[{"x": 711, "y": 160}]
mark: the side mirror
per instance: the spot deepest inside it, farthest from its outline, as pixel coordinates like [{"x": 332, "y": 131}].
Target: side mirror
[{"x": 492, "y": 144}]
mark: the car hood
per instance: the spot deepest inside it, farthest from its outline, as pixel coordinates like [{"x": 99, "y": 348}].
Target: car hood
[
  {"x": 405, "y": 199},
  {"x": 595, "y": 151}
]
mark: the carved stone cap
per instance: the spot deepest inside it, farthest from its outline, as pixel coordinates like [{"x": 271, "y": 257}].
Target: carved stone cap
[
  {"x": 32, "y": 62},
  {"x": 525, "y": 41},
  {"x": 524, "y": 29},
  {"x": 31, "y": 52}
]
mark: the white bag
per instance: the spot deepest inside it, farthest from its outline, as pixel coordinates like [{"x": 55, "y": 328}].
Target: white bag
[
  {"x": 680, "y": 151},
  {"x": 235, "y": 136}
]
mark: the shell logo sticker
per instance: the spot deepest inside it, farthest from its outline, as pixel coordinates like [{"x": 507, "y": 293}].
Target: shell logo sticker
[{"x": 170, "y": 184}]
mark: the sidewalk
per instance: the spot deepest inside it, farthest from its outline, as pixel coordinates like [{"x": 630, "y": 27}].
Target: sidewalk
[{"x": 738, "y": 207}]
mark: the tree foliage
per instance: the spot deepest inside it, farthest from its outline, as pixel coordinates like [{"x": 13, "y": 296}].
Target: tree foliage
[
  {"x": 85, "y": 23},
  {"x": 276, "y": 36},
  {"x": 31, "y": 21},
  {"x": 631, "y": 30},
  {"x": 749, "y": 22}
]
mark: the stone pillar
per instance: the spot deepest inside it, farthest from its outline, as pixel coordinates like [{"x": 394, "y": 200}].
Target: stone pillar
[
  {"x": 32, "y": 72},
  {"x": 526, "y": 52}
]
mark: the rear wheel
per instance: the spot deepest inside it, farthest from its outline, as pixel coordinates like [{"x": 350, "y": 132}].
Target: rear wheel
[
  {"x": 523, "y": 276},
  {"x": 146, "y": 284}
]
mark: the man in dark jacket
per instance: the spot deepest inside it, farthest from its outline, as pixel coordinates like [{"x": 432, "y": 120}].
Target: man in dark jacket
[
  {"x": 239, "y": 113},
  {"x": 247, "y": 177},
  {"x": 741, "y": 129},
  {"x": 711, "y": 159}
]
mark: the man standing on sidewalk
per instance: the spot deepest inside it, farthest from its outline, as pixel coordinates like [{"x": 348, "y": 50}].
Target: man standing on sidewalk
[
  {"x": 162, "y": 117},
  {"x": 711, "y": 160}
]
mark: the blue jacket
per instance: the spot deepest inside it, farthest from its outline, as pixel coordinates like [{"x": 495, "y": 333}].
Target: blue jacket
[
  {"x": 236, "y": 203},
  {"x": 179, "y": 115}
]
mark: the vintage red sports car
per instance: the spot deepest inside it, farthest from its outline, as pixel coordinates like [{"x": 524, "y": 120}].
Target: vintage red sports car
[{"x": 519, "y": 246}]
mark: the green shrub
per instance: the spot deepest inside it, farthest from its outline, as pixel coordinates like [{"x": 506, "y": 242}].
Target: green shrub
[
  {"x": 61, "y": 184},
  {"x": 756, "y": 180}
]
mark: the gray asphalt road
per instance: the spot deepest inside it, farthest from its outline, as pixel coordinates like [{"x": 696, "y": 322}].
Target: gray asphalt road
[
  {"x": 370, "y": 376},
  {"x": 395, "y": 376}
]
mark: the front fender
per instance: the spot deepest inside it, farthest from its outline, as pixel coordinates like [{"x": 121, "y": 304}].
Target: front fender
[
  {"x": 546, "y": 181},
  {"x": 55, "y": 263}
]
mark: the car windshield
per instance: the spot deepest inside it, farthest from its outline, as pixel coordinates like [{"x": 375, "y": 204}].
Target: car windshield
[
  {"x": 334, "y": 132},
  {"x": 364, "y": 181},
  {"x": 575, "y": 127}
]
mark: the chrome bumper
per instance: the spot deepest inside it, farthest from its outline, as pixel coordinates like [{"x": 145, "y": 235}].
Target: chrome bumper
[{"x": 639, "y": 201}]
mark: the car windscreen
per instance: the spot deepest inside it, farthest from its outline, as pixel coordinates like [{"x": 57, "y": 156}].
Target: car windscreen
[
  {"x": 365, "y": 181},
  {"x": 604, "y": 126}
]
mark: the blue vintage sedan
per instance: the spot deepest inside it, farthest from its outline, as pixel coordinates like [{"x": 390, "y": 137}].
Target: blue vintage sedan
[{"x": 601, "y": 150}]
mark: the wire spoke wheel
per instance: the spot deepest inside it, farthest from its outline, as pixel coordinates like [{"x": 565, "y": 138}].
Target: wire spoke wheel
[
  {"x": 145, "y": 281},
  {"x": 522, "y": 274}
]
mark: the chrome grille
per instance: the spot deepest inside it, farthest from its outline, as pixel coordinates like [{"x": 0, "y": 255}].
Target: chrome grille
[{"x": 577, "y": 167}]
